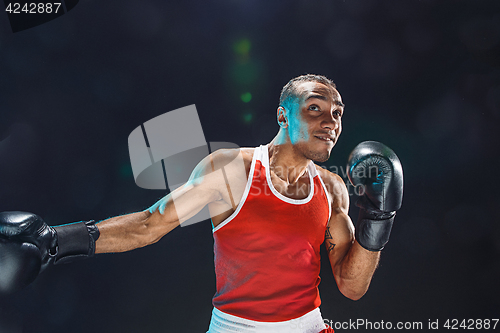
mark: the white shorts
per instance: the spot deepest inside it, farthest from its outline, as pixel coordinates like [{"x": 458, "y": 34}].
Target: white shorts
[{"x": 221, "y": 322}]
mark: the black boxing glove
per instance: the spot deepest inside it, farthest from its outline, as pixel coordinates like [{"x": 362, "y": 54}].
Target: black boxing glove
[
  {"x": 55, "y": 244},
  {"x": 19, "y": 264},
  {"x": 378, "y": 170}
]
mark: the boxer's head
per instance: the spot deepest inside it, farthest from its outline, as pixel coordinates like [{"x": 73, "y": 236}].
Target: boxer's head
[{"x": 310, "y": 114}]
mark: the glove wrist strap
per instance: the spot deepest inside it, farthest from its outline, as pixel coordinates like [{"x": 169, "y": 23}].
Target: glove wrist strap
[
  {"x": 75, "y": 240},
  {"x": 372, "y": 232}
]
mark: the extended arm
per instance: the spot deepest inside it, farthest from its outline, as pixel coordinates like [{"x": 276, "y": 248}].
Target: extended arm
[
  {"x": 131, "y": 231},
  {"x": 30, "y": 245},
  {"x": 128, "y": 232}
]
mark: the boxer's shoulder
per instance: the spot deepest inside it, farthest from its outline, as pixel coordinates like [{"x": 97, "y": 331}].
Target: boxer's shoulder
[
  {"x": 232, "y": 158},
  {"x": 329, "y": 178},
  {"x": 231, "y": 153},
  {"x": 335, "y": 186}
]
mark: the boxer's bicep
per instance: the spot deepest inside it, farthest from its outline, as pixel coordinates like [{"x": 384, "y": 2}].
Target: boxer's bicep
[
  {"x": 202, "y": 188},
  {"x": 338, "y": 240},
  {"x": 175, "y": 208},
  {"x": 339, "y": 235}
]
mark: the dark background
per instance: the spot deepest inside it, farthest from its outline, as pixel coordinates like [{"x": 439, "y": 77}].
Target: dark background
[{"x": 421, "y": 76}]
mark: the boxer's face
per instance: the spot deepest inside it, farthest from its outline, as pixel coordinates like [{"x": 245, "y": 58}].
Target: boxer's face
[{"x": 315, "y": 121}]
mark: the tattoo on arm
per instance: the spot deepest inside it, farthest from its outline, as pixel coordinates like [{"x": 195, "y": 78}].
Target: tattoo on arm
[
  {"x": 328, "y": 235},
  {"x": 330, "y": 246}
]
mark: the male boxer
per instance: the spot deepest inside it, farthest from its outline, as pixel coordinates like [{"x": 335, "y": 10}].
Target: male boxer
[{"x": 269, "y": 218}]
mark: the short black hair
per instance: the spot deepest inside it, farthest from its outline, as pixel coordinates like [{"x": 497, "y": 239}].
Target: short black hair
[{"x": 289, "y": 91}]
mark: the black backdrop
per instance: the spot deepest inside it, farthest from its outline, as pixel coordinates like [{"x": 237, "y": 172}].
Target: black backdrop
[{"x": 421, "y": 76}]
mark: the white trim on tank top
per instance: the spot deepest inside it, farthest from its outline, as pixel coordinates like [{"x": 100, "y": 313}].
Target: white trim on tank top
[
  {"x": 265, "y": 163},
  {"x": 261, "y": 153},
  {"x": 245, "y": 193}
]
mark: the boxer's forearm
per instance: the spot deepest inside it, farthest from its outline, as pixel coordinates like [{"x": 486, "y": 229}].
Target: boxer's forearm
[
  {"x": 356, "y": 270},
  {"x": 132, "y": 231}
]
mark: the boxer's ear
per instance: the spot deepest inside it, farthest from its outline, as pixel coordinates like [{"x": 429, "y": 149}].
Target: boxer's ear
[{"x": 282, "y": 115}]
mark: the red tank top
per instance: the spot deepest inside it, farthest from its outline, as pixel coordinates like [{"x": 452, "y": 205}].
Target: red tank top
[{"x": 267, "y": 253}]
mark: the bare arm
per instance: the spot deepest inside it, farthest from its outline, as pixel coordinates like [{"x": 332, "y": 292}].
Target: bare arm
[
  {"x": 128, "y": 232},
  {"x": 352, "y": 265}
]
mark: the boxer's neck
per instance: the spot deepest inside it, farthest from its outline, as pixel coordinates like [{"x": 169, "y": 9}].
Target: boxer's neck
[{"x": 286, "y": 163}]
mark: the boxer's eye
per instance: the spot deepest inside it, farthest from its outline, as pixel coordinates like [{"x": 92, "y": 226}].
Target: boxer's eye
[{"x": 314, "y": 108}]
